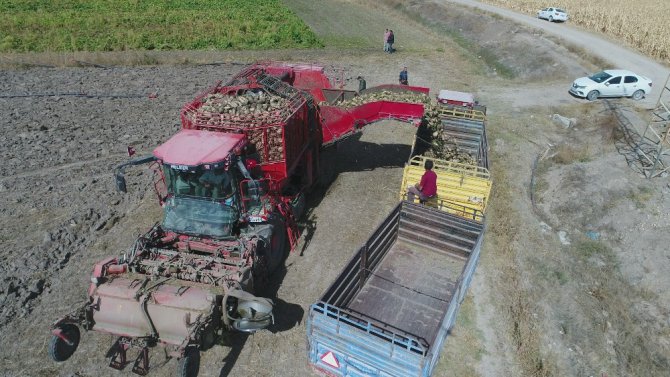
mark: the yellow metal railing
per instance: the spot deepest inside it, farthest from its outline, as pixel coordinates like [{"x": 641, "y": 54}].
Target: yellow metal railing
[
  {"x": 471, "y": 114},
  {"x": 468, "y": 186}
]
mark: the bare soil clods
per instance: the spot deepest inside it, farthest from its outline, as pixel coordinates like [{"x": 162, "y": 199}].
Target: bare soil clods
[{"x": 596, "y": 306}]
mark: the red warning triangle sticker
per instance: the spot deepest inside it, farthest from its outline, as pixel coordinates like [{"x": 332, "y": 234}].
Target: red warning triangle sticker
[{"x": 330, "y": 359}]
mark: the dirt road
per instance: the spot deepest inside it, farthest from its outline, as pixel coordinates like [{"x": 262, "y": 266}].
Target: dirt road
[
  {"x": 614, "y": 53},
  {"x": 572, "y": 279}
]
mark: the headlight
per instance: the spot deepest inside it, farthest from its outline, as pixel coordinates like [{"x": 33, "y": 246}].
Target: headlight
[{"x": 578, "y": 86}]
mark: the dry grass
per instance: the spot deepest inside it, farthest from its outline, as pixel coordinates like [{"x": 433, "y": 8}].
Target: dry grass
[
  {"x": 606, "y": 308},
  {"x": 641, "y": 24},
  {"x": 608, "y": 125},
  {"x": 516, "y": 299},
  {"x": 463, "y": 347},
  {"x": 568, "y": 153},
  {"x": 583, "y": 53}
]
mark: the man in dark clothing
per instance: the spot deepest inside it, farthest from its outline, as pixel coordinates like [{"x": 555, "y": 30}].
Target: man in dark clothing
[
  {"x": 403, "y": 77},
  {"x": 390, "y": 41},
  {"x": 361, "y": 83},
  {"x": 386, "y": 40}
]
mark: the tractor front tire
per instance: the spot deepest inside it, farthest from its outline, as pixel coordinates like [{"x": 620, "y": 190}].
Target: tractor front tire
[
  {"x": 189, "y": 365},
  {"x": 59, "y": 350}
]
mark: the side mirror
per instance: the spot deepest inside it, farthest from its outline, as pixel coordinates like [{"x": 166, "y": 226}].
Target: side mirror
[
  {"x": 607, "y": 84},
  {"x": 120, "y": 183}
]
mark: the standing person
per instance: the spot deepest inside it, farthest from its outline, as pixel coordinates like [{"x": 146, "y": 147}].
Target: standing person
[
  {"x": 361, "y": 83},
  {"x": 403, "y": 77},
  {"x": 386, "y": 40},
  {"x": 390, "y": 40},
  {"x": 425, "y": 189}
]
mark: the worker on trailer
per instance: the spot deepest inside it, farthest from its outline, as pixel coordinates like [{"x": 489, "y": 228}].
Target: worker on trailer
[{"x": 425, "y": 189}]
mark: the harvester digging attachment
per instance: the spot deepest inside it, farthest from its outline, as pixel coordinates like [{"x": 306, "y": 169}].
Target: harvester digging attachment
[{"x": 174, "y": 292}]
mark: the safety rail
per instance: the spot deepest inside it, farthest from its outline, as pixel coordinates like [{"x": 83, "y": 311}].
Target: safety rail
[
  {"x": 453, "y": 112},
  {"x": 462, "y": 189},
  {"x": 293, "y": 100},
  {"x": 397, "y": 337}
]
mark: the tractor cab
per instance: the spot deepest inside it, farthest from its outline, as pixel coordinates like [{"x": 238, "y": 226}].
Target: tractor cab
[
  {"x": 204, "y": 183},
  {"x": 207, "y": 183},
  {"x": 201, "y": 182}
]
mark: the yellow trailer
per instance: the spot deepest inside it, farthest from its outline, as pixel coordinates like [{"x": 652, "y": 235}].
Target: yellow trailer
[{"x": 462, "y": 189}]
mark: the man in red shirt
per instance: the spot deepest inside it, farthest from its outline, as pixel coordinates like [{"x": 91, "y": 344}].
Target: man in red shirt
[{"x": 427, "y": 188}]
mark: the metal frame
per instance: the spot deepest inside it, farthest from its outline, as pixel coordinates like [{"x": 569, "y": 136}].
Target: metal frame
[{"x": 658, "y": 134}]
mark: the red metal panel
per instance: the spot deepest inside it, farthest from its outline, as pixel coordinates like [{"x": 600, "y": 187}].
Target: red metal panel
[
  {"x": 366, "y": 113},
  {"x": 117, "y": 312},
  {"x": 195, "y": 147},
  {"x": 339, "y": 122},
  {"x": 456, "y": 98},
  {"x": 400, "y": 110},
  {"x": 398, "y": 88},
  {"x": 336, "y": 122},
  {"x": 172, "y": 309}
]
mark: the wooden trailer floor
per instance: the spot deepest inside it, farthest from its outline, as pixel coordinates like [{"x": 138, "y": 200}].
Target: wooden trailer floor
[{"x": 410, "y": 289}]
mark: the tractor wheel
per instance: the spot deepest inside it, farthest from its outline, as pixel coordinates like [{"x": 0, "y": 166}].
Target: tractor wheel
[
  {"x": 59, "y": 350},
  {"x": 638, "y": 95},
  {"x": 189, "y": 365},
  {"x": 278, "y": 249},
  {"x": 593, "y": 95},
  {"x": 261, "y": 273}
]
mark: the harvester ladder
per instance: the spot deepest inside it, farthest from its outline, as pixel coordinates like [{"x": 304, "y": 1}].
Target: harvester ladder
[{"x": 292, "y": 229}]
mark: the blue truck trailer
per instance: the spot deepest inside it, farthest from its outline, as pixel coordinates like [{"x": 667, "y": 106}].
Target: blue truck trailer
[{"x": 390, "y": 310}]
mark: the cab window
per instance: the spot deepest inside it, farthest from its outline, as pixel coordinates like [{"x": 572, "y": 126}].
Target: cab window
[{"x": 616, "y": 80}]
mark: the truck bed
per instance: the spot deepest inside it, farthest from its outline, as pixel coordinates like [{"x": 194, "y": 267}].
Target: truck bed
[
  {"x": 410, "y": 289},
  {"x": 390, "y": 309}
]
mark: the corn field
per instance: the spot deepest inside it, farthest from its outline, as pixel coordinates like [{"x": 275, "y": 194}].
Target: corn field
[{"x": 640, "y": 24}]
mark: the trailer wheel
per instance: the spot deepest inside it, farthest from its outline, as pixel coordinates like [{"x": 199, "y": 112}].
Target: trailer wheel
[
  {"x": 189, "y": 365},
  {"x": 59, "y": 349}
]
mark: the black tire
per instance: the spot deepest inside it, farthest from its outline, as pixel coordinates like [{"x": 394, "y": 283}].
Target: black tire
[
  {"x": 551, "y": 19},
  {"x": 261, "y": 274},
  {"x": 278, "y": 250},
  {"x": 189, "y": 365},
  {"x": 59, "y": 350},
  {"x": 593, "y": 95},
  {"x": 638, "y": 95}
]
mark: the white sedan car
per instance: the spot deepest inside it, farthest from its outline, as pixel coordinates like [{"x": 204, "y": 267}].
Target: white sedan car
[
  {"x": 612, "y": 83},
  {"x": 553, "y": 14}
]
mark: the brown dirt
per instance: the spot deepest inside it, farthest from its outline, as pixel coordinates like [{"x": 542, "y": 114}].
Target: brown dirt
[{"x": 537, "y": 307}]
